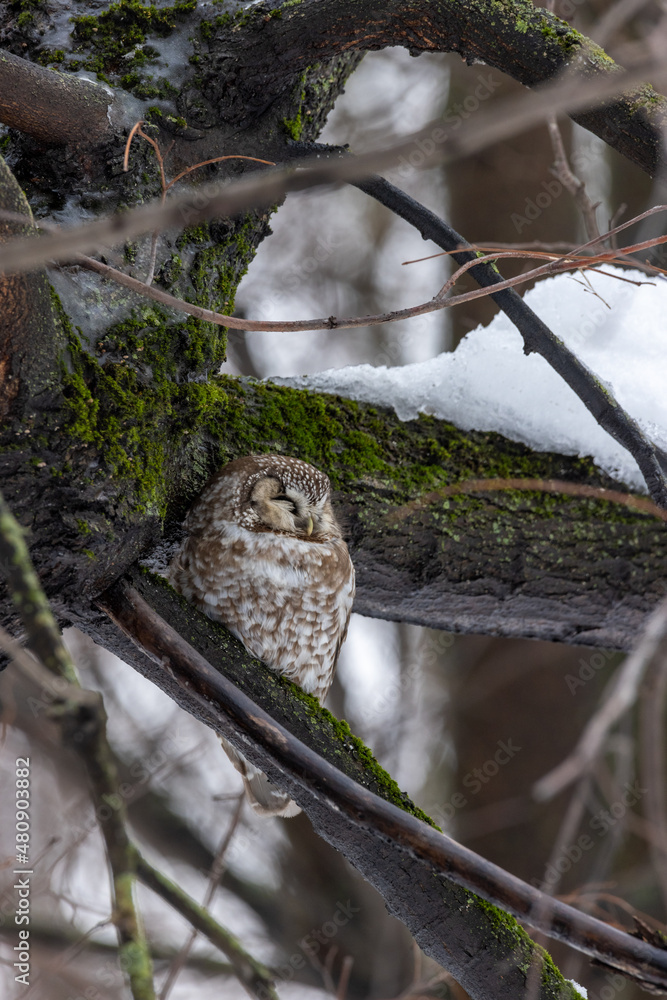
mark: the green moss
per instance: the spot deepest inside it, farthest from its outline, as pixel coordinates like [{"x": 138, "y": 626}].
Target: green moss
[
  {"x": 48, "y": 56},
  {"x": 117, "y": 43},
  {"x": 340, "y": 435},
  {"x": 294, "y": 126},
  {"x": 352, "y": 744},
  {"x": 561, "y": 32}
]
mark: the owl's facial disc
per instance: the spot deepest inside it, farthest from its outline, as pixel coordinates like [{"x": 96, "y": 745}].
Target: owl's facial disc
[{"x": 285, "y": 508}]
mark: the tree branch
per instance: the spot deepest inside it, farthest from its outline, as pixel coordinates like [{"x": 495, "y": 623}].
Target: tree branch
[
  {"x": 57, "y": 108},
  {"x": 501, "y": 562},
  {"x": 376, "y": 833},
  {"x": 528, "y": 43},
  {"x": 253, "y": 975},
  {"x": 216, "y": 201},
  {"x": 30, "y": 338},
  {"x": 82, "y": 720},
  {"x": 537, "y": 337},
  {"x": 621, "y": 695}
]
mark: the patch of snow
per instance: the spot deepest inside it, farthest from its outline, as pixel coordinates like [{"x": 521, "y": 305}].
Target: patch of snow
[{"x": 488, "y": 384}]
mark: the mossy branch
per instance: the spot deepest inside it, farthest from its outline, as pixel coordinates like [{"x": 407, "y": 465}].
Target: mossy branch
[
  {"x": 82, "y": 720},
  {"x": 380, "y": 831},
  {"x": 529, "y": 43}
]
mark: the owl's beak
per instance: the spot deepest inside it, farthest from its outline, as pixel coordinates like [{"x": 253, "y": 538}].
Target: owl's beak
[{"x": 309, "y": 525}]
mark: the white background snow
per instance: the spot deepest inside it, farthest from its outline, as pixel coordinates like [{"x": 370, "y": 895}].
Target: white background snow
[{"x": 488, "y": 384}]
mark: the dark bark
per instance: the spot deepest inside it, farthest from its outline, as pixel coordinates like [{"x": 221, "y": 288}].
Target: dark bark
[
  {"x": 59, "y": 108},
  {"x": 367, "y": 819},
  {"x": 126, "y": 423},
  {"x": 528, "y": 43},
  {"x": 503, "y": 563},
  {"x": 29, "y": 331}
]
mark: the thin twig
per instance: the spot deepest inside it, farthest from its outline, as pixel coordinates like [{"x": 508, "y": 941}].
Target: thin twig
[
  {"x": 566, "y": 835},
  {"x": 253, "y": 975},
  {"x": 570, "y": 181},
  {"x": 218, "y": 159},
  {"x": 344, "y": 978},
  {"x": 554, "y": 265},
  {"x": 164, "y": 186},
  {"x": 652, "y": 757},
  {"x": 29, "y": 599},
  {"x": 217, "y": 871},
  {"x": 559, "y": 486},
  {"x": 619, "y": 697},
  {"x": 536, "y": 335},
  {"x": 83, "y": 725}
]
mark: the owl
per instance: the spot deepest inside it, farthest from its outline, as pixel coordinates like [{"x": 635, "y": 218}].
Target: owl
[{"x": 265, "y": 556}]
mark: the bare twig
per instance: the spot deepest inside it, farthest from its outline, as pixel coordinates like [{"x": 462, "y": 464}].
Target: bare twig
[
  {"x": 137, "y": 130},
  {"x": 253, "y": 975},
  {"x": 344, "y": 978},
  {"x": 619, "y": 697},
  {"x": 652, "y": 747},
  {"x": 614, "y": 17},
  {"x": 541, "y": 485},
  {"x": 83, "y": 724},
  {"x": 566, "y": 835},
  {"x": 553, "y": 266},
  {"x": 217, "y": 871},
  {"x": 29, "y": 599},
  {"x": 536, "y": 335},
  {"x": 570, "y": 181}
]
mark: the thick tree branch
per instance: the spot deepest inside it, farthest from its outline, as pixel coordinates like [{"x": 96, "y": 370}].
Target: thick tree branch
[
  {"x": 509, "y": 562},
  {"x": 528, "y": 43},
  {"x": 213, "y": 201},
  {"x": 538, "y": 338},
  {"x": 57, "y": 107},
  {"x": 29, "y": 333},
  {"x": 370, "y": 825}
]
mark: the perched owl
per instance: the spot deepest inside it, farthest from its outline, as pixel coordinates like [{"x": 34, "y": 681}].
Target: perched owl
[{"x": 265, "y": 556}]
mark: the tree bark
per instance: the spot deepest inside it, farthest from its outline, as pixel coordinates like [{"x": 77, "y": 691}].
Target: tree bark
[
  {"x": 364, "y": 818},
  {"x": 118, "y": 417},
  {"x": 506, "y": 562}
]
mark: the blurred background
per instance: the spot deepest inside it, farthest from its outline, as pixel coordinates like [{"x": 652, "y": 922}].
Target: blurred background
[{"x": 465, "y": 724}]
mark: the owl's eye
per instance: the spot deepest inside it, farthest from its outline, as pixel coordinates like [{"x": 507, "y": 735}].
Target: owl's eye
[{"x": 283, "y": 498}]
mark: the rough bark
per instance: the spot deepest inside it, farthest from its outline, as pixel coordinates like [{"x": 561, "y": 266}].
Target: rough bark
[
  {"x": 29, "y": 331},
  {"x": 118, "y": 418},
  {"x": 528, "y": 43},
  {"x": 121, "y": 431},
  {"x": 364, "y": 818},
  {"x": 505, "y": 563}
]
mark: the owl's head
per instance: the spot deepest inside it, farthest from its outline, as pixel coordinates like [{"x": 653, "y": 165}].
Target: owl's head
[{"x": 271, "y": 493}]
